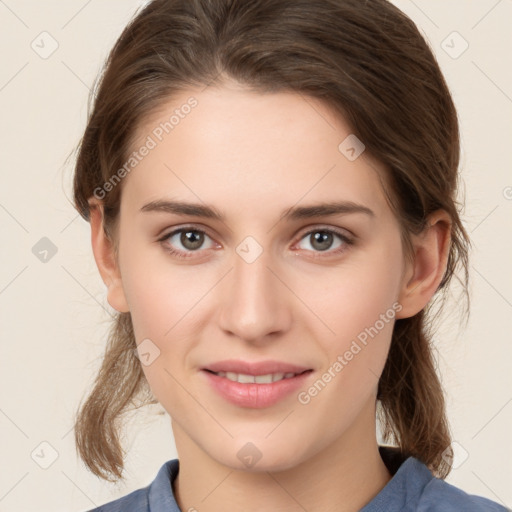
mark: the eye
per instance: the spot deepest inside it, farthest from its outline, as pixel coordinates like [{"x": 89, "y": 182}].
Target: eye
[
  {"x": 184, "y": 241},
  {"x": 326, "y": 240}
]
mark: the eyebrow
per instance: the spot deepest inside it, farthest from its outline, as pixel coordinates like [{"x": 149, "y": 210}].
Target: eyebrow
[{"x": 292, "y": 213}]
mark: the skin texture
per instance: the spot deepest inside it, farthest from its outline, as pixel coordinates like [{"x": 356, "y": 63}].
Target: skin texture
[{"x": 252, "y": 156}]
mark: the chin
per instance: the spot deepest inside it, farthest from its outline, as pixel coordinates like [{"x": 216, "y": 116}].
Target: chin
[{"x": 256, "y": 457}]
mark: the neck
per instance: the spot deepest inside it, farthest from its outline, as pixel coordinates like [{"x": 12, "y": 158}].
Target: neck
[{"x": 344, "y": 476}]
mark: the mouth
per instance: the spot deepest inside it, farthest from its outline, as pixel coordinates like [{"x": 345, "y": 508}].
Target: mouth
[
  {"x": 268, "y": 378},
  {"x": 255, "y": 385},
  {"x": 255, "y": 368}
]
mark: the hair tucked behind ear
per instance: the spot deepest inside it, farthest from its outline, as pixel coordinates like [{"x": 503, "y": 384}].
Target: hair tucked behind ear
[{"x": 371, "y": 65}]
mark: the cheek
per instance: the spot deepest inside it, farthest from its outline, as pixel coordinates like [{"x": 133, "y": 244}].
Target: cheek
[
  {"x": 164, "y": 305},
  {"x": 358, "y": 306},
  {"x": 354, "y": 296},
  {"x": 159, "y": 293}
]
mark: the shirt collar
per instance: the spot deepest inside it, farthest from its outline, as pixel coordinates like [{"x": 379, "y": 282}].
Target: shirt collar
[{"x": 399, "y": 492}]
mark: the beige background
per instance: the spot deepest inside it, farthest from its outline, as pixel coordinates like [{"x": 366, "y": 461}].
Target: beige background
[{"x": 54, "y": 315}]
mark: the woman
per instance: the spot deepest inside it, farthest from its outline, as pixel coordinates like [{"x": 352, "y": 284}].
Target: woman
[{"x": 271, "y": 190}]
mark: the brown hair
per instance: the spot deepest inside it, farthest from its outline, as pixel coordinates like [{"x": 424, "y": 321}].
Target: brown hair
[{"x": 369, "y": 63}]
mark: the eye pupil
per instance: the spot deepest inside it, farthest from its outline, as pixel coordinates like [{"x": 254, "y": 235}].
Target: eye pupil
[
  {"x": 322, "y": 240},
  {"x": 192, "y": 239}
]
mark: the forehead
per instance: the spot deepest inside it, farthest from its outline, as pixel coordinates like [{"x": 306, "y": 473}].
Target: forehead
[{"x": 238, "y": 146}]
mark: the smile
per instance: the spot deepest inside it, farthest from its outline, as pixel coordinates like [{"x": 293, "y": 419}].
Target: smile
[
  {"x": 255, "y": 391},
  {"x": 258, "y": 379}
]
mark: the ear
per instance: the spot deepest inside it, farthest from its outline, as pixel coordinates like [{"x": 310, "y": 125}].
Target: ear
[
  {"x": 423, "y": 275},
  {"x": 104, "y": 256}
]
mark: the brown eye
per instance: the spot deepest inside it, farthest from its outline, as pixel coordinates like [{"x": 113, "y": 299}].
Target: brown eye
[
  {"x": 192, "y": 239},
  {"x": 325, "y": 240},
  {"x": 185, "y": 241},
  {"x": 321, "y": 240}
]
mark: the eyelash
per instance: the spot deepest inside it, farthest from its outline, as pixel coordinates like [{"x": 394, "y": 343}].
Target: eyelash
[{"x": 185, "y": 255}]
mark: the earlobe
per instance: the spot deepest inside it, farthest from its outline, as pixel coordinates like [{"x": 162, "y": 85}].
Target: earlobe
[
  {"x": 425, "y": 272},
  {"x": 104, "y": 256}
]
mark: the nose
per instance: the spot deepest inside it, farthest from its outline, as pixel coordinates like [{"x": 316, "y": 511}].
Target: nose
[{"x": 254, "y": 302}]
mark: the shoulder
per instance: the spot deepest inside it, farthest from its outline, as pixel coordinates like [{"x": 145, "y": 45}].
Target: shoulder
[
  {"x": 441, "y": 496},
  {"x": 136, "y": 501},
  {"x": 154, "y": 497},
  {"x": 413, "y": 488}
]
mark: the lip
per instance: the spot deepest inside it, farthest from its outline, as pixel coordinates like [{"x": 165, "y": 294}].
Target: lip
[
  {"x": 254, "y": 395},
  {"x": 254, "y": 368}
]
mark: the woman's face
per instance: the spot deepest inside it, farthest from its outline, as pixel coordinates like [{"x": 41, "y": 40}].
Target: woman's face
[{"x": 271, "y": 279}]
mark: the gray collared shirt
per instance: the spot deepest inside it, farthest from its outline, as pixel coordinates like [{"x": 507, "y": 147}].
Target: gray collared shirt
[{"x": 412, "y": 488}]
